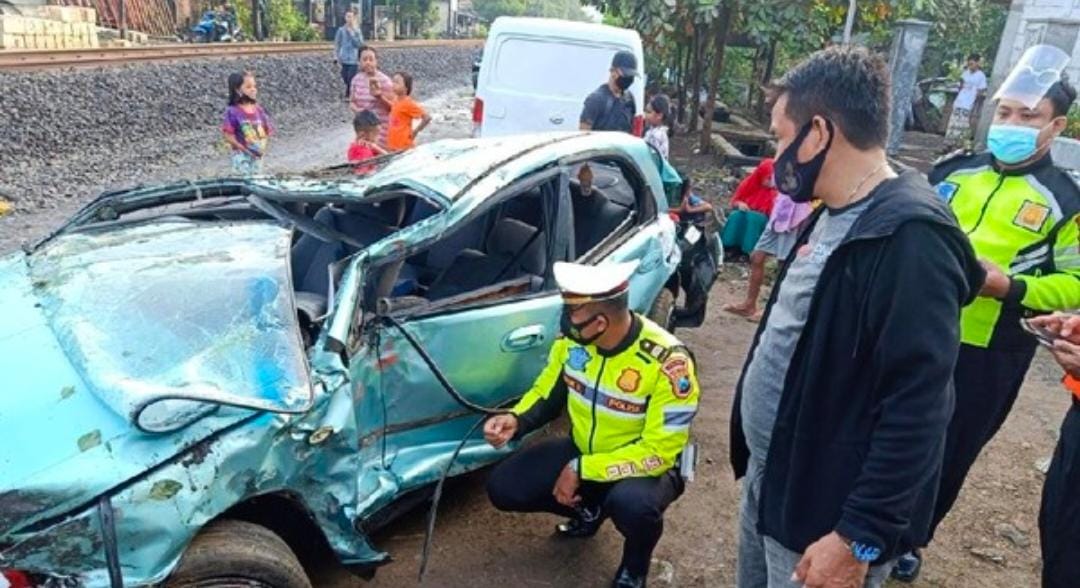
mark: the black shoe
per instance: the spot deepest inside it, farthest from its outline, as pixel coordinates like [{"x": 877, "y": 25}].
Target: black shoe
[
  {"x": 624, "y": 579},
  {"x": 584, "y": 525},
  {"x": 907, "y": 567}
]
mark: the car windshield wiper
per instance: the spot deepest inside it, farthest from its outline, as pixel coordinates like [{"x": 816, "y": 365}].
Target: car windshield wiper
[{"x": 303, "y": 223}]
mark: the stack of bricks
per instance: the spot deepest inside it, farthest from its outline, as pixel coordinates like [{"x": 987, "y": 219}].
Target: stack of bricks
[{"x": 52, "y": 27}]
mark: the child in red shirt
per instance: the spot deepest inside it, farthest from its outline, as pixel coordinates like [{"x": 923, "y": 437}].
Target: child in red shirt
[{"x": 365, "y": 147}]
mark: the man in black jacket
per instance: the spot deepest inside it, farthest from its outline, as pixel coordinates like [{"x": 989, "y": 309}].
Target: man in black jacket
[{"x": 840, "y": 414}]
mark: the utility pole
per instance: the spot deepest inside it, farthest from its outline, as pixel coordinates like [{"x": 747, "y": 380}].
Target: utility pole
[
  {"x": 123, "y": 19},
  {"x": 849, "y": 24}
]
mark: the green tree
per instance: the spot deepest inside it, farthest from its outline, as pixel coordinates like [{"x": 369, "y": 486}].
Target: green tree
[
  {"x": 420, "y": 13},
  {"x": 489, "y": 10}
]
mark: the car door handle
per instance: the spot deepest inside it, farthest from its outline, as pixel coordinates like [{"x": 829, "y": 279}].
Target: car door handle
[
  {"x": 523, "y": 338},
  {"x": 556, "y": 120}
]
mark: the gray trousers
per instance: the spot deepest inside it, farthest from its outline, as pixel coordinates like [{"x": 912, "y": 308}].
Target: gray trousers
[{"x": 763, "y": 562}]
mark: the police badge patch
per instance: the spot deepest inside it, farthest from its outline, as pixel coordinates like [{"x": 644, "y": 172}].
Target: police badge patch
[
  {"x": 579, "y": 359},
  {"x": 1031, "y": 216},
  {"x": 946, "y": 190},
  {"x": 629, "y": 380}
]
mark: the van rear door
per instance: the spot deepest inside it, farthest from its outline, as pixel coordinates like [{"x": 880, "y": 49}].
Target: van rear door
[{"x": 536, "y": 84}]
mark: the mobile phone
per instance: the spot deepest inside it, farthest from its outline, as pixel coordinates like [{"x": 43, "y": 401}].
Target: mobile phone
[{"x": 1045, "y": 337}]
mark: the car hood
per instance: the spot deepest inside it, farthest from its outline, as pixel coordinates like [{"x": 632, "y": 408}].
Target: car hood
[{"x": 120, "y": 349}]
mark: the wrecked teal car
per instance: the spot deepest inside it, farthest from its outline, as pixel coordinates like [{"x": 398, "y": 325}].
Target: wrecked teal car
[{"x": 206, "y": 383}]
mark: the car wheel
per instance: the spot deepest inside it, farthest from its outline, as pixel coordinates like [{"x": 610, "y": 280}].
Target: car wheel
[
  {"x": 237, "y": 553},
  {"x": 663, "y": 310}
]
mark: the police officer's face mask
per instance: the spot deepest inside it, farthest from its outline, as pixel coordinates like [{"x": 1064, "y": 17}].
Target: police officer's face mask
[{"x": 575, "y": 331}]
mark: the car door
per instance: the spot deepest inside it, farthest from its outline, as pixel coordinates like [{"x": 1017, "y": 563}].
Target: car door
[
  {"x": 489, "y": 349},
  {"x": 645, "y": 236},
  {"x": 537, "y": 84}
]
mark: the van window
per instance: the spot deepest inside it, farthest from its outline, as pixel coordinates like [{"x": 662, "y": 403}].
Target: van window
[{"x": 539, "y": 66}]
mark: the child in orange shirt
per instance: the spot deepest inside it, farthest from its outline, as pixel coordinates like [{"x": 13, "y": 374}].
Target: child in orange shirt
[{"x": 403, "y": 113}]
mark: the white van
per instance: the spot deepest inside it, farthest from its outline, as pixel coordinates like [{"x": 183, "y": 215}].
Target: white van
[{"x": 536, "y": 73}]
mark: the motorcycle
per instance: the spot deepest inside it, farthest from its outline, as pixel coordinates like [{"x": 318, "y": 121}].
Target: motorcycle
[
  {"x": 215, "y": 28},
  {"x": 702, "y": 257}
]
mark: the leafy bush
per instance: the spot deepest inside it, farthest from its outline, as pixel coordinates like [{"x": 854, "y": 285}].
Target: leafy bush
[
  {"x": 288, "y": 22},
  {"x": 1072, "y": 129},
  {"x": 285, "y": 21}
]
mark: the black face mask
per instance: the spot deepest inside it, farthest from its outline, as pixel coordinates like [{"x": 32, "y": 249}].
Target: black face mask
[
  {"x": 624, "y": 82},
  {"x": 573, "y": 330},
  {"x": 795, "y": 179}
]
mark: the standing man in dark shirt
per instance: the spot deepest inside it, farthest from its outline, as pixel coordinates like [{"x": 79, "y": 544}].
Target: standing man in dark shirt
[
  {"x": 347, "y": 43},
  {"x": 839, "y": 419},
  {"x": 611, "y": 106}
]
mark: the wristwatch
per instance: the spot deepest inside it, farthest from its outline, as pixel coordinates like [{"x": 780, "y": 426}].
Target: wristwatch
[{"x": 863, "y": 552}]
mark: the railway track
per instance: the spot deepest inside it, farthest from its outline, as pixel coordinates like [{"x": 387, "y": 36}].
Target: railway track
[{"x": 66, "y": 58}]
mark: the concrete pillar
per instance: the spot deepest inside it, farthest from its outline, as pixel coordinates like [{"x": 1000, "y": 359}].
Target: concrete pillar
[
  {"x": 1003, "y": 63},
  {"x": 904, "y": 61}
]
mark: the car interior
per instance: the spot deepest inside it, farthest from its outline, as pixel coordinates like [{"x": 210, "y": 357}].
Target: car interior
[{"x": 507, "y": 249}]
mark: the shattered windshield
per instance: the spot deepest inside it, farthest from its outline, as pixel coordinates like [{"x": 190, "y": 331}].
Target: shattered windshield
[{"x": 167, "y": 321}]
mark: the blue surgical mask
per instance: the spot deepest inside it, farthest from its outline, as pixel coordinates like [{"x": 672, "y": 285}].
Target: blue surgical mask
[{"x": 1012, "y": 144}]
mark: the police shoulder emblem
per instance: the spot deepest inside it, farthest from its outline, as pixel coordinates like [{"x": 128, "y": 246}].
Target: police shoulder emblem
[
  {"x": 1031, "y": 216},
  {"x": 677, "y": 371},
  {"x": 629, "y": 380},
  {"x": 653, "y": 350}
]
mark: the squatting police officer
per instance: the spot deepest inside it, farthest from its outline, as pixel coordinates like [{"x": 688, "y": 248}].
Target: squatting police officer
[{"x": 631, "y": 392}]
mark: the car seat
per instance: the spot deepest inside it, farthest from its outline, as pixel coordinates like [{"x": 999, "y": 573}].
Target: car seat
[{"x": 513, "y": 249}]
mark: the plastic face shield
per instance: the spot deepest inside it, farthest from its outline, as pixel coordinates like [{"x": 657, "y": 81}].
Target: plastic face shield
[{"x": 1039, "y": 68}]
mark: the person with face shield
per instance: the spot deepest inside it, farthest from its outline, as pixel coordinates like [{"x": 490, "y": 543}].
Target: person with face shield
[
  {"x": 840, "y": 413},
  {"x": 611, "y": 107},
  {"x": 1019, "y": 211},
  {"x": 631, "y": 392}
]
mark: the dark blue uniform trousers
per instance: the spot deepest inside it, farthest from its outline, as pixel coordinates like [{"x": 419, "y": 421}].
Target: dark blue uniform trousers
[{"x": 525, "y": 481}]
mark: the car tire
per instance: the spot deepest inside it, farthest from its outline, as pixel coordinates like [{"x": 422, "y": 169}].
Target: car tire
[
  {"x": 663, "y": 310},
  {"x": 232, "y": 553}
]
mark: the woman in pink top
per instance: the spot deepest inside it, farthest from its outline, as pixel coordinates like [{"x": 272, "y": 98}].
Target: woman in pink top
[
  {"x": 777, "y": 240},
  {"x": 361, "y": 96}
]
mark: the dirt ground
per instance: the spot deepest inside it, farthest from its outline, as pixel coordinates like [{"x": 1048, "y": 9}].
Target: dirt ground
[{"x": 989, "y": 540}]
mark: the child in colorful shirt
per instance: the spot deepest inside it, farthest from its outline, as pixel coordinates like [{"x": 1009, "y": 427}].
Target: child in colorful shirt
[
  {"x": 247, "y": 127},
  {"x": 657, "y": 114},
  {"x": 403, "y": 113},
  {"x": 366, "y": 146}
]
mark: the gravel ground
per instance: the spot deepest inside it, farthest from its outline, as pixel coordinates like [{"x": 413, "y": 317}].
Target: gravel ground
[{"x": 60, "y": 153}]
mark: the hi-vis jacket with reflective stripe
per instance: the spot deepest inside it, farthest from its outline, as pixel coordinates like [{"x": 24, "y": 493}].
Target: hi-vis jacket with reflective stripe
[
  {"x": 1025, "y": 222},
  {"x": 630, "y": 408}
]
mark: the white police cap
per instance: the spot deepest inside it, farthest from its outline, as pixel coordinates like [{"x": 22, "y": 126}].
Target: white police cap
[{"x": 586, "y": 283}]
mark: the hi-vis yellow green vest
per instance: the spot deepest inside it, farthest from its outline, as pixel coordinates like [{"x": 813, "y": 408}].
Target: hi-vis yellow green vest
[
  {"x": 1025, "y": 222},
  {"x": 630, "y": 408}
]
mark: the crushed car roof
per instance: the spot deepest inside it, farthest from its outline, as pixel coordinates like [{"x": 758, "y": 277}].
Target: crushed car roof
[{"x": 449, "y": 169}]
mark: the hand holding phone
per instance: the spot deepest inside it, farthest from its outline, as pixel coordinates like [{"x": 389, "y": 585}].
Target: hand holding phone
[{"x": 1043, "y": 335}]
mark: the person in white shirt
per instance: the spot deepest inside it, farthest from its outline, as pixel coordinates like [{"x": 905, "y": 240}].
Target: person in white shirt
[{"x": 972, "y": 88}]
